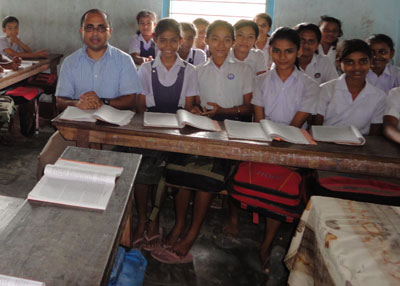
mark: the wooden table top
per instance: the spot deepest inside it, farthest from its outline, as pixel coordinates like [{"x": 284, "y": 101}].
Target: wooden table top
[
  {"x": 65, "y": 245},
  {"x": 378, "y": 156},
  {"x": 23, "y": 73}
]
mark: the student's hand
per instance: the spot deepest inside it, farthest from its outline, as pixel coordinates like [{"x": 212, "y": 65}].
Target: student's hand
[
  {"x": 1, "y": 69},
  {"x": 42, "y": 54},
  {"x": 197, "y": 109},
  {"x": 211, "y": 113},
  {"x": 89, "y": 100},
  {"x": 14, "y": 66},
  {"x": 17, "y": 60},
  {"x": 150, "y": 58}
]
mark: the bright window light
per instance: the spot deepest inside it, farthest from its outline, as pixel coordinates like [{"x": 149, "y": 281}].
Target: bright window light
[{"x": 211, "y": 10}]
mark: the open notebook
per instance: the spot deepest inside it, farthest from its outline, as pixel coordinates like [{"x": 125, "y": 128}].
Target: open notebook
[
  {"x": 104, "y": 113},
  {"x": 179, "y": 120},
  {"x": 339, "y": 135},
  {"x": 266, "y": 130},
  {"x": 77, "y": 184},
  {"x": 15, "y": 281}
]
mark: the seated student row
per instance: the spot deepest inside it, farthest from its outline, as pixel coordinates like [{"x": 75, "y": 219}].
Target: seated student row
[{"x": 224, "y": 91}]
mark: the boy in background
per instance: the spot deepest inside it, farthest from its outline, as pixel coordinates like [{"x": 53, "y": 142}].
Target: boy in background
[{"x": 11, "y": 46}]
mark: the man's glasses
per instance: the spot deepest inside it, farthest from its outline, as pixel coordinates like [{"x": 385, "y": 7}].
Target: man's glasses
[{"x": 99, "y": 28}]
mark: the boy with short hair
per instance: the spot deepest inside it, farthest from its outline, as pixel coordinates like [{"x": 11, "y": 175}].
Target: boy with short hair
[{"x": 11, "y": 46}]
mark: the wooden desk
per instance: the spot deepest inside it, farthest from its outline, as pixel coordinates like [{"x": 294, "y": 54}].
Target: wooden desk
[
  {"x": 69, "y": 246},
  {"x": 23, "y": 73},
  {"x": 377, "y": 157}
]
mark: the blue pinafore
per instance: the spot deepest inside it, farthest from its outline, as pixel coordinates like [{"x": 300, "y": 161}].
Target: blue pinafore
[
  {"x": 166, "y": 98},
  {"x": 147, "y": 53}
]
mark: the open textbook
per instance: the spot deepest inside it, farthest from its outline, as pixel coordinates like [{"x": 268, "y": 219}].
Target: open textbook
[
  {"x": 339, "y": 135},
  {"x": 77, "y": 184},
  {"x": 266, "y": 130},
  {"x": 104, "y": 113},
  {"x": 15, "y": 281},
  {"x": 179, "y": 120}
]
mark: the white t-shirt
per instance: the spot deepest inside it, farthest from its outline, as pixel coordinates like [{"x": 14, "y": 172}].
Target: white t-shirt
[
  {"x": 393, "y": 104},
  {"x": 225, "y": 85},
  {"x": 134, "y": 46},
  {"x": 5, "y": 44},
  {"x": 389, "y": 79},
  {"x": 321, "y": 69},
  {"x": 168, "y": 78},
  {"x": 331, "y": 53},
  {"x": 196, "y": 57},
  {"x": 255, "y": 59},
  {"x": 282, "y": 100},
  {"x": 335, "y": 103}
]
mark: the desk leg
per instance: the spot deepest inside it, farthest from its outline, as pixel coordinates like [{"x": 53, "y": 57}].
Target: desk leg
[{"x": 127, "y": 235}]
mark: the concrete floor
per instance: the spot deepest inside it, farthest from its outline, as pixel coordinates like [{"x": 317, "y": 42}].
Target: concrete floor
[{"x": 217, "y": 260}]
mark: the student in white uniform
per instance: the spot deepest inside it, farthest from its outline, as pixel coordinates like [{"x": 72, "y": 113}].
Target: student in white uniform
[
  {"x": 318, "y": 67},
  {"x": 391, "y": 118},
  {"x": 186, "y": 50},
  {"x": 383, "y": 74},
  {"x": 142, "y": 47},
  {"x": 284, "y": 95},
  {"x": 225, "y": 92},
  {"x": 201, "y": 27},
  {"x": 168, "y": 84},
  {"x": 264, "y": 23},
  {"x": 351, "y": 99},
  {"x": 246, "y": 33},
  {"x": 331, "y": 30}
]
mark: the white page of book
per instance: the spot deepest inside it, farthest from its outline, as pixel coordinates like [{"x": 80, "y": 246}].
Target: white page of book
[
  {"x": 75, "y": 113},
  {"x": 113, "y": 171},
  {"x": 158, "y": 119},
  {"x": 198, "y": 121},
  {"x": 288, "y": 133},
  {"x": 245, "y": 130},
  {"x": 343, "y": 135},
  {"x": 15, "y": 281},
  {"x": 112, "y": 115}
]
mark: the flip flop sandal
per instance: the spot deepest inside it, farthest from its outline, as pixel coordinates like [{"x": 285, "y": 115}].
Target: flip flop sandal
[
  {"x": 153, "y": 242},
  {"x": 265, "y": 266},
  {"x": 169, "y": 257},
  {"x": 138, "y": 243}
]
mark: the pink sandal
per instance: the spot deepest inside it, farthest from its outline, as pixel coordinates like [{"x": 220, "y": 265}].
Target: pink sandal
[
  {"x": 167, "y": 256},
  {"x": 153, "y": 242}
]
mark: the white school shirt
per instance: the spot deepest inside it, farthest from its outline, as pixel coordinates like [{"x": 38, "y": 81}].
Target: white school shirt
[
  {"x": 282, "y": 100},
  {"x": 168, "y": 78},
  {"x": 225, "y": 85},
  {"x": 134, "y": 46},
  {"x": 267, "y": 55},
  {"x": 5, "y": 44},
  {"x": 335, "y": 103},
  {"x": 321, "y": 69},
  {"x": 255, "y": 59},
  {"x": 331, "y": 53},
  {"x": 389, "y": 79},
  {"x": 393, "y": 104},
  {"x": 199, "y": 56}
]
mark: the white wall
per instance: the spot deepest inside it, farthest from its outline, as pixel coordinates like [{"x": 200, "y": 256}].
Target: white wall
[
  {"x": 54, "y": 24},
  {"x": 360, "y": 18}
]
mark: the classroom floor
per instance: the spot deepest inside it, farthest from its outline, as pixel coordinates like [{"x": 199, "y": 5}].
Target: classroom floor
[{"x": 217, "y": 260}]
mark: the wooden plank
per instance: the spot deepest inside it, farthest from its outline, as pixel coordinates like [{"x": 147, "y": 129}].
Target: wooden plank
[
  {"x": 378, "y": 157},
  {"x": 70, "y": 246}
]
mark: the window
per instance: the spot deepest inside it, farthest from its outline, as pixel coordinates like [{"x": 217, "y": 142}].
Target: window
[{"x": 211, "y": 10}]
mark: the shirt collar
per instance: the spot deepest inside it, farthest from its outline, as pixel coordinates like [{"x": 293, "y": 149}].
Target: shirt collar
[
  {"x": 84, "y": 54},
  {"x": 143, "y": 40},
  {"x": 158, "y": 63},
  {"x": 342, "y": 85},
  {"x": 295, "y": 74}
]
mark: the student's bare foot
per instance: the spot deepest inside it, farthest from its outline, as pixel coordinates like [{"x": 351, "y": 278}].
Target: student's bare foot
[
  {"x": 153, "y": 236},
  {"x": 138, "y": 235},
  {"x": 174, "y": 235},
  {"x": 182, "y": 247},
  {"x": 265, "y": 252}
]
